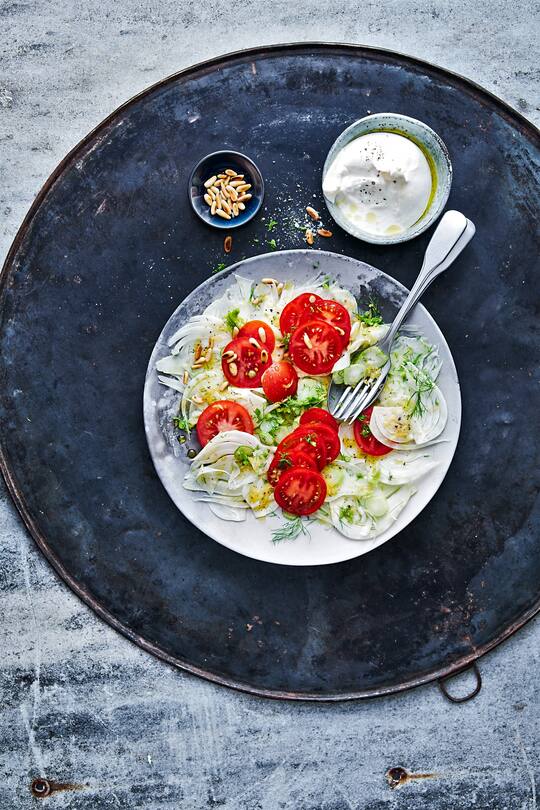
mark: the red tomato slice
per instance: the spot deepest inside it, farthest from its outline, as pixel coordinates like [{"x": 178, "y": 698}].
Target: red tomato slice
[
  {"x": 300, "y": 491},
  {"x": 256, "y": 330},
  {"x": 331, "y": 440},
  {"x": 319, "y": 415},
  {"x": 243, "y": 363},
  {"x": 279, "y": 381},
  {"x": 365, "y": 439},
  {"x": 220, "y": 416},
  {"x": 306, "y": 439},
  {"x": 300, "y": 309},
  {"x": 286, "y": 461},
  {"x": 337, "y": 315},
  {"x": 315, "y": 347}
]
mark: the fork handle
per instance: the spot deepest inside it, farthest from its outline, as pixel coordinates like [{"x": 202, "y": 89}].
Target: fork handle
[{"x": 453, "y": 233}]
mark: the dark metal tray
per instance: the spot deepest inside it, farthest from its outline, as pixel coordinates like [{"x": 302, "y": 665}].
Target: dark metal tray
[{"x": 109, "y": 248}]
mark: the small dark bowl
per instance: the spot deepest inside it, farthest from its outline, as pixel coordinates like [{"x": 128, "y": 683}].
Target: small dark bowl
[{"x": 216, "y": 163}]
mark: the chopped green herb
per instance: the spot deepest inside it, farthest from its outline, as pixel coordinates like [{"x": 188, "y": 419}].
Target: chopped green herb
[
  {"x": 284, "y": 461},
  {"x": 285, "y": 340},
  {"x": 272, "y": 243},
  {"x": 232, "y": 320},
  {"x": 372, "y": 316},
  {"x": 243, "y": 453},
  {"x": 180, "y": 423},
  {"x": 366, "y": 432},
  {"x": 291, "y": 529},
  {"x": 346, "y": 514},
  {"x": 271, "y": 224},
  {"x": 218, "y": 267},
  {"x": 326, "y": 283}
]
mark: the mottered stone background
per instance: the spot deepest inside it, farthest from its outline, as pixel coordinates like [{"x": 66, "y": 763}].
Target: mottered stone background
[{"x": 78, "y": 703}]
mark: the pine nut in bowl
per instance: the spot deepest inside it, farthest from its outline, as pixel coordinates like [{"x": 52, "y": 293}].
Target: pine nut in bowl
[
  {"x": 387, "y": 178},
  {"x": 226, "y": 189}
]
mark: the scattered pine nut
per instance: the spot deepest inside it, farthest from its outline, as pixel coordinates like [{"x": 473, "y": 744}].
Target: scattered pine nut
[
  {"x": 324, "y": 232},
  {"x": 255, "y": 342},
  {"x": 224, "y": 385},
  {"x": 313, "y": 214},
  {"x": 185, "y": 377},
  {"x": 262, "y": 334},
  {"x": 198, "y": 352},
  {"x": 233, "y": 369},
  {"x": 309, "y": 236},
  {"x": 307, "y": 341},
  {"x": 235, "y": 331},
  {"x": 227, "y": 244},
  {"x": 251, "y": 373},
  {"x": 269, "y": 280}
]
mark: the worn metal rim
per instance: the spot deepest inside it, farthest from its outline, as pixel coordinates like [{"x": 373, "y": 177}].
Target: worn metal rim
[{"x": 15, "y": 491}]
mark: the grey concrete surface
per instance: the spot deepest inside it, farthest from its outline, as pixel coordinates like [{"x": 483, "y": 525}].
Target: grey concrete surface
[{"x": 79, "y": 703}]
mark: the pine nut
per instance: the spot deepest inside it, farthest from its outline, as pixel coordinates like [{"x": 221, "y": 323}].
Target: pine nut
[
  {"x": 226, "y": 207},
  {"x": 235, "y": 331},
  {"x": 254, "y": 342},
  {"x": 244, "y": 198},
  {"x": 268, "y": 280},
  {"x": 185, "y": 377},
  {"x": 213, "y": 208},
  {"x": 210, "y": 181},
  {"x": 224, "y": 385},
  {"x": 307, "y": 341},
  {"x": 251, "y": 373},
  {"x": 241, "y": 206},
  {"x": 198, "y": 351},
  {"x": 233, "y": 369},
  {"x": 229, "y": 355},
  {"x": 230, "y": 172},
  {"x": 208, "y": 199},
  {"x": 245, "y": 187},
  {"x": 222, "y": 214},
  {"x": 264, "y": 356},
  {"x": 324, "y": 232},
  {"x": 227, "y": 244},
  {"x": 309, "y": 236},
  {"x": 262, "y": 334},
  {"x": 313, "y": 214}
]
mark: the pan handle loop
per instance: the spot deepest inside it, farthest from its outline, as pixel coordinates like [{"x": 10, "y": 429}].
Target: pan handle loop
[{"x": 478, "y": 685}]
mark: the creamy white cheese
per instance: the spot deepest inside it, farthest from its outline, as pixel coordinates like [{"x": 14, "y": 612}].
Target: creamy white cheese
[{"x": 381, "y": 182}]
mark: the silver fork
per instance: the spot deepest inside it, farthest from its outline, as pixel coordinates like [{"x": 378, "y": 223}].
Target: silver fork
[{"x": 453, "y": 233}]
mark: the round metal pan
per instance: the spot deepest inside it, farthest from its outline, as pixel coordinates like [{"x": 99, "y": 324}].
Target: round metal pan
[{"x": 105, "y": 254}]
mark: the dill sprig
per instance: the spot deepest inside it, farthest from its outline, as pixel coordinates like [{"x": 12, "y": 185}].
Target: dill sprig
[
  {"x": 292, "y": 528},
  {"x": 424, "y": 385}
]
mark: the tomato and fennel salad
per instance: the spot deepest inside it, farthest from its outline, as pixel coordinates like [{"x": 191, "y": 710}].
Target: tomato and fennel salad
[{"x": 253, "y": 371}]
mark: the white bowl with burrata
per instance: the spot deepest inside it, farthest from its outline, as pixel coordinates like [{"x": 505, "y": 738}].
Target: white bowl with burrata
[{"x": 387, "y": 178}]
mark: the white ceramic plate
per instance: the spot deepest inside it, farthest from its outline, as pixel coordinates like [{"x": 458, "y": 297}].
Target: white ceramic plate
[{"x": 253, "y": 537}]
